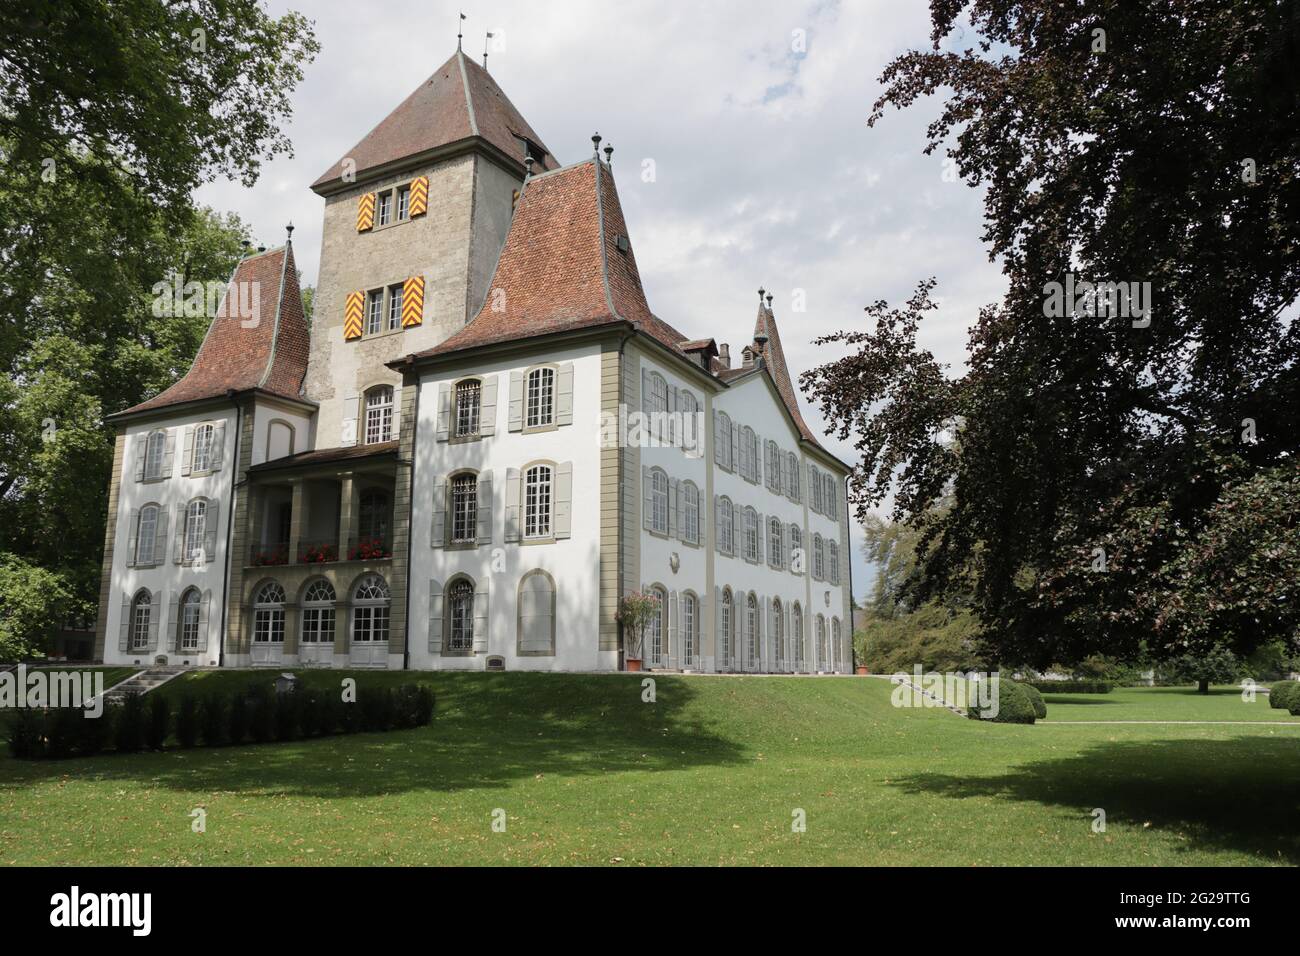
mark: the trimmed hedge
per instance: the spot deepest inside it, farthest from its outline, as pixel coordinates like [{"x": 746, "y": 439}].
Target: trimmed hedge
[
  {"x": 1014, "y": 704},
  {"x": 1035, "y": 698},
  {"x": 1071, "y": 686},
  {"x": 1282, "y": 694},
  {"x": 215, "y": 720}
]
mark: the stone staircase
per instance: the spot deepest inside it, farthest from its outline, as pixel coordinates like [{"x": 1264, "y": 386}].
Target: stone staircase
[{"x": 143, "y": 682}]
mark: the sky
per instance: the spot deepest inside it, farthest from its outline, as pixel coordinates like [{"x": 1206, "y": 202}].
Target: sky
[{"x": 741, "y": 153}]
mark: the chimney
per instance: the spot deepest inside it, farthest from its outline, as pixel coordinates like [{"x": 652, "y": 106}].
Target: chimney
[
  {"x": 724, "y": 355},
  {"x": 747, "y": 357}
]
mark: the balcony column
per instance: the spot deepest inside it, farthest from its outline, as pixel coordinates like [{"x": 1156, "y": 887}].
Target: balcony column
[
  {"x": 257, "y": 512},
  {"x": 349, "y": 512},
  {"x": 297, "y": 520}
]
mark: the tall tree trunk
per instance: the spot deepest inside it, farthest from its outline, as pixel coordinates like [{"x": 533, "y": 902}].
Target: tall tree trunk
[{"x": 1202, "y": 687}]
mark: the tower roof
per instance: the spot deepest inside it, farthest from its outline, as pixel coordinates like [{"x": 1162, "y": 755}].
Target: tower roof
[
  {"x": 767, "y": 343},
  {"x": 460, "y": 102},
  {"x": 258, "y": 340}
]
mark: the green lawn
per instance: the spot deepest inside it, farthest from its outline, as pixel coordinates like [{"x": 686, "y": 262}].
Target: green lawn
[
  {"x": 1163, "y": 703},
  {"x": 710, "y": 773}
]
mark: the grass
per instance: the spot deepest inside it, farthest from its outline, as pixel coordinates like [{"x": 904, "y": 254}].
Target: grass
[
  {"x": 710, "y": 773},
  {"x": 1163, "y": 703}
]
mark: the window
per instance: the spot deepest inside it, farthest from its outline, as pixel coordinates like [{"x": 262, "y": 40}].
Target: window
[
  {"x": 655, "y": 646},
  {"x": 537, "y": 502},
  {"x": 468, "y": 396},
  {"x": 796, "y": 636},
  {"x": 820, "y": 625},
  {"x": 318, "y": 613},
  {"x": 141, "y": 615},
  {"x": 395, "y": 306},
  {"x": 814, "y": 489},
  {"x": 690, "y": 628},
  {"x": 690, "y": 409},
  {"x": 191, "y": 606},
  {"x": 202, "y": 455},
  {"x": 796, "y": 550},
  {"x": 726, "y": 533},
  {"x": 829, "y": 497},
  {"x": 778, "y": 633},
  {"x": 819, "y": 558},
  {"x": 833, "y": 550},
  {"x": 751, "y": 627},
  {"x": 460, "y": 603},
  {"x": 372, "y": 516},
  {"x": 370, "y": 611},
  {"x": 154, "y": 453},
  {"x": 747, "y": 463},
  {"x": 727, "y": 618},
  {"x": 537, "y": 614},
  {"x": 541, "y": 398},
  {"x": 774, "y": 541},
  {"x": 379, "y": 414},
  {"x": 794, "y": 476},
  {"x": 751, "y": 535},
  {"x": 658, "y": 501},
  {"x": 383, "y": 208},
  {"x": 837, "y": 652},
  {"x": 773, "y": 467},
  {"x": 657, "y": 406},
  {"x": 464, "y": 508},
  {"x": 403, "y": 203},
  {"x": 196, "y": 520},
  {"x": 147, "y": 536},
  {"x": 268, "y": 614},
  {"x": 374, "y": 312},
  {"x": 690, "y": 516},
  {"x": 722, "y": 438}
]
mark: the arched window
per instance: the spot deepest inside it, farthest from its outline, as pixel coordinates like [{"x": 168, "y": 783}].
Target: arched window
[
  {"x": 751, "y": 534},
  {"x": 540, "y": 398},
  {"x": 796, "y": 635},
  {"x": 379, "y": 414},
  {"x": 141, "y": 620},
  {"x": 370, "y": 610},
  {"x": 797, "y": 560},
  {"x": 837, "y": 651},
  {"x": 747, "y": 462},
  {"x": 657, "y": 401},
  {"x": 833, "y": 553},
  {"x": 460, "y": 615},
  {"x": 690, "y": 628},
  {"x": 658, "y": 501},
  {"x": 814, "y": 489},
  {"x": 146, "y": 540},
  {"x": 829, "y": 497},
  {"x": 191, "y": 608},
  {"x": 820, "y": 624},
  {"x": 722, "y": 438},
  {"x": 751, "y": 628},
  {"x": 819, "y": 558},
  {"x": 726, "y": 533},
  {"x": 373, "y": 516},
  {"x": 464, "y": 507},
  {"x": 727, "y": 624},
  {"x": 201, "y": 457},
  {"x": 536, "y": 614},
  {"x": 773, "y": 466},
  {"x": 690, "y": 409},
  {"x": 468, "y": 396},
  {"x": 268, "y": 614},
  {"x": 794, "y": 476},
  {"x": 537, "y": 501},
  {"x": 658, "y": 631},
  {"x": 155, "y": 450},
  {"x": 279, "y": 440},
  {"x": 318, "y": 613},
  {"x": 690, "y": 516},
  {"x": 196, "y": 525},
  {"x": 774, "y": 541},
  {"x": 778, "y": 633}
]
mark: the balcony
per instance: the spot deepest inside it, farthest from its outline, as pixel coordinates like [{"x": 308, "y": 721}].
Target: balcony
[{"x": 370, "y": 548}]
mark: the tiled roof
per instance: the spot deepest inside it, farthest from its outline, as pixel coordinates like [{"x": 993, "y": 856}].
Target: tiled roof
[
  {"x": 324, "y": 455},
  {"x": 459, "y": 101},
  {"x": 258, "y": 340},
  {"x": 774, "y": 359}
]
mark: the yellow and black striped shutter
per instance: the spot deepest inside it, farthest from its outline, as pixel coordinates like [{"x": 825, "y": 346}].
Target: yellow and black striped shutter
[
  {"x": 366, "y": 212},
  {"x": 413, "y": 301},
  {"x": 352, "y": 316},
  {"x": 419, "y": 196}
]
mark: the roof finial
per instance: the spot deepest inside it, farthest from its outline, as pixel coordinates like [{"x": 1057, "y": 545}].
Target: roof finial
[
  {"x": 460, "y": 30},
  {"x": 595, "y": 139},
  {"x": 528, "y": 166},
  {"x": 289, "y": 231},
  {"x": 485, "y": 49},
  {"x": 609, "y": 155},
  {"x": 769, "y": 302},
  {"x": 761, "y": 290}
]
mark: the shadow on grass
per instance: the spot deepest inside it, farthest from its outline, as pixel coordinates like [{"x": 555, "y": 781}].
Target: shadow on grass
[
  {"x": 487, "y": 730},
  {"x": 1241, "y": 794},
  {"x": 1050, "y": 699}
]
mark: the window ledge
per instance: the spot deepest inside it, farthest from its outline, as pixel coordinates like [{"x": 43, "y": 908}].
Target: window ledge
[
  {"x": 531, "y": 541},
  {"x": 536, "y": 429},
  {"x": 463, "y": 439}
]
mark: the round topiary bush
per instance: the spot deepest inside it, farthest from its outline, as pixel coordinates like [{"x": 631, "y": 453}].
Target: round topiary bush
[
  {"x": 1011, "y": 705},
  {"x": 1282, "y": 693},
  {"x": 1035, "y": 698}
]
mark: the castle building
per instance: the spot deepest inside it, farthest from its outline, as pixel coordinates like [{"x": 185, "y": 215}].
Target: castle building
[{"x": 480, "y": 442}]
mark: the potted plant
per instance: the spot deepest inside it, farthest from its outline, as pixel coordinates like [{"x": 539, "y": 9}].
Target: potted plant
[{"x": 635, "y": 612}]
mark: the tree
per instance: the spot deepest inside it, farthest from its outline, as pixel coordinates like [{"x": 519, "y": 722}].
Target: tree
[
  {"x": 1215, "y": 664},
  {"x": 1090, "y": 436}
]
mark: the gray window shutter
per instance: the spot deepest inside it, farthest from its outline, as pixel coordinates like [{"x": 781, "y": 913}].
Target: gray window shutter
[
  {"x": 205, "y": 608},
  {"x": 512, "y": 504},
  {"x": 563, "y": 525},
  {"x": 647, "y": 499},
  {"x": 762, "y": 535},
  {"x": 735, "y": 447},
  {"x": 444, "y": 410},
  {"x": 758, "y": 458},
  {"x": 481, "y": 618},
  {"x": 785, "y": 629},
  {"x": 701, "y": 510},
  {"x": 438, "y": 530},
  {"x": 210, "y": 523},
  {"x": 487, "y": 412},
  {"x": 124, "y": 635},
  {"x": 179, "y": 546},
  {"x": 435, "y": 617},
  {"x": 155, "y": 612},
  {"x": 737, "y": 530},
  {"x": 674, "y": 628},
  {"x": 173, "y": 622},
  {"x": 674, "y": 527},
  {"x": 160, "y": 539},
  {"x": 133, "y": 540},
  {"x": 169, "y": 453},
  {"x": 218, "y": 446},
  {"x": 141, "y": 442},
  {"x": 187, "y": 450},
  {"x": 516, "y": 422},
  {"x": 717, "y": 437},
  {"x": 645, "y": 395},
  {"x": 717, "y": 518},
  {"x": 564, "y": 395},
  {"x": 785, "y": 547},
  {"x": 351, "y": 432},
  {"x": 762, "y": 631},
  {"x": 717, "y": 628},
  {"x": 484, "y": 530}
]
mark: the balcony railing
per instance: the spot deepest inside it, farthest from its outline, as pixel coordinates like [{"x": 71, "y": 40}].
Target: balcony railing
[{"x": 265, "y": 555}]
